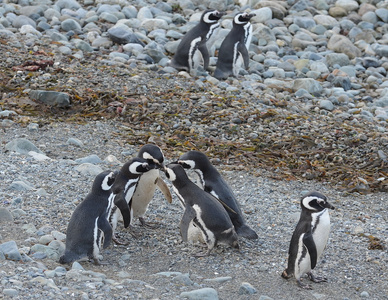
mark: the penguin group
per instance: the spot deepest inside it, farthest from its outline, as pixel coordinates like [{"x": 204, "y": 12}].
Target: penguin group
[
  {"x": 211, "y": 212},
  {"x": 233, "y": 52}
]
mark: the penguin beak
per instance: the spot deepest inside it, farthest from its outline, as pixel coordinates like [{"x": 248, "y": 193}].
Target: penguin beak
[
  {"x": 328, "y": 205},
  {"x": 250, "y": 16}
]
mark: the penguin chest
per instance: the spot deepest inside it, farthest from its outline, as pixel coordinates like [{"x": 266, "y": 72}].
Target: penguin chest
[
  {"x": 144, "y": 192},
  {"x": 321, "y": 230},
  {"x": 195, "y": 56}
]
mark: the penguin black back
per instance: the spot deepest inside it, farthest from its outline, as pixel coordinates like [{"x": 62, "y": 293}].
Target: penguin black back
[
  {"x": 89, "y": 230},
  {"x": 215, "y": 184}
]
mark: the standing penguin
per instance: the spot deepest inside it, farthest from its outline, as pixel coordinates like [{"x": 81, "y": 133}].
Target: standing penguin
[
  {"x": 234, "y": 49},
  {"x": 309, "y": 238},
  {"x": 124, "y": 188},
  {"x": 186, "y": 57},
  {"x": 88, "y": 230},
  {"x": 201, "y": 210},
  {"x": 213, "y": 183}
]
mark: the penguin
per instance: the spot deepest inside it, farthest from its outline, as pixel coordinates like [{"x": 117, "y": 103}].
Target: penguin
[
  {"x": 148, "y": 182},
  {"x": 186, "y": 57},
  {"x": 88, "y": 230},
  {"x": 234, "y": 48},
  {"x": 201, "y": 210},
  {"x": 309, "y": 238},
  {"x": 123, "y": 190},
  {"x": 214, "y": 183}
]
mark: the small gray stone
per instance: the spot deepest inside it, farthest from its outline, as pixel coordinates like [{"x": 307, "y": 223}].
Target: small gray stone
[
  {"x": 71, "y": 25},
  {"x": 10, "y": 292},
  {"x": 5, "y": 215},
  {"x": 51, "y": 97},
  {"x": 75, "y": 142},
  {"x": 263, "y": 297},
  {"x": 201, "y": 294},
  {"x": 19, "y": 185},
  {"x": 364, "y": 294},
  {"x": 20, "y": 21},
  {"x": 10, "y": 251},
  {"x": 22, "y": 146},
  {"x": 247, "y": 289},
  {"x": 91, "y": 159},
  {"x": 89, "y": 169},
  {"x": 326, "y": 104},
  {"x": 219, "y": 279}
]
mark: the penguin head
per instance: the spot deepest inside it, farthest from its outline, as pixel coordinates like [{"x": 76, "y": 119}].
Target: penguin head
[
  {"x": 139, "y": 165},
  {"x": 104, "y": 180},
  {"x": 194, "y": 160},
  {"x": 174, "y": 171},
  {"x": 211, "y": 16},
  {"x": 152, "y": 153},
  {"x": 242, "y": 18},
  {"x": 315, "y": 202}
]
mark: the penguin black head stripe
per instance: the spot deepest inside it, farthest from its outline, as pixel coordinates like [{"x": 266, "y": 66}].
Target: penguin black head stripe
[
  {"x": 153, "y": 153},
  {"x": 309, "y": 238}
]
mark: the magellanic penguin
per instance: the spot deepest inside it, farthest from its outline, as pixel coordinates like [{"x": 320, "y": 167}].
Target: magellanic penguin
[
  {"x": 187, "y": 56},
  {"x": 213, "y": 183},
  {"x": 124, "y": 188},
  {"x": 202, "y": 210},
  {"x": 88, "y": 230},
  {"x": 136, "y": 204},
  {"x": 309, "y": 238},
  {"x": 234, "y": 49}
]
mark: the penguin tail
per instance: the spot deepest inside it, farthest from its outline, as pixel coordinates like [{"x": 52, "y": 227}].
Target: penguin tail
[{"x": 247, "y": 232}]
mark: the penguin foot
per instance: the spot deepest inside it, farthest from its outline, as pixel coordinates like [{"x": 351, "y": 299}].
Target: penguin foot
[
  {"x": 147, "y": 225},
  {"x": 304, "y": 286},
  {"x": 98, "y": 262},
  {"x": 316, "y": 278},
  {"x": 285, "y": 275},
  {"x": 118, "y": 242}
]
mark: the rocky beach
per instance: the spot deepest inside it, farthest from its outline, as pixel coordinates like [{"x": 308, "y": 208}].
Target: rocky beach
[{"x": 83, "y": 84}]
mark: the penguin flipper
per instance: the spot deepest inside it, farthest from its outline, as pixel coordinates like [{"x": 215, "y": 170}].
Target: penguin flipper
[
  {"x": 120, "y": 202},
  {"x": 164, "y": 188},
  {"x": 244, "y": 53},
  {"x": 205, "y": 55},
  {"x": 187, "y": 217},
  {"x": 104, "y": 226},
  {"x": 308, "y": 241}
]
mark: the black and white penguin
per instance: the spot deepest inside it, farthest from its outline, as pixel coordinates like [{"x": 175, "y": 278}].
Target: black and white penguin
[
  {"x": 234, "y": 49},
  {"x": 88, "y": 230},
  {"x": 133, "y": 201},
  {"x": 214, "y": 183},
  {"x": 309, "y": 238},
  {"x": 201, "y": 210},
  {"x": 187, "y": 56}
]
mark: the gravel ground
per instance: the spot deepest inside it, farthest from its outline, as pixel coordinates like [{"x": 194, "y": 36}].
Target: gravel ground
[
  {"x": 310, "y": 114},
  {"x": 270, "y": 206}
]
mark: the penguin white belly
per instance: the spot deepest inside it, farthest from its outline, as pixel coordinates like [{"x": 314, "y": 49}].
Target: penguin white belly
[
  {"x": 144, "y": 193},
  {"x": 194, "y": 54},
  {"x": 302, "y": 262},
  {"x": 321, "y": 230},
  {"x": 207, "y": 234},
  {"x": 194, "y": 234},
  {"x": 237, "y": 60}
]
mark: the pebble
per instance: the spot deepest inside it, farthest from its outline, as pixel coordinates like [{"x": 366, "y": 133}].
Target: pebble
[
  {"x": 201, "y": 294},
  {"x": 246, "y": 288}
]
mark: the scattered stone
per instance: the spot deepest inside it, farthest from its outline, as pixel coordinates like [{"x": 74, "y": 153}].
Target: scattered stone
[
  {"x": 5, "y": 215},
  {"x": 51, "y": 98},
  {"x": 246, "y": 289},
  {"x": 22, "y": 146},
  {"x": 201, "y": 294}
]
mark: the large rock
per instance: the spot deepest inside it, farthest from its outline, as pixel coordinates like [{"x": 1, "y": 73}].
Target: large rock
[
  {"x": 123, "y": 35},
  {"x": 342, "y": 44},
  {"x": 51, "y": 97}
]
